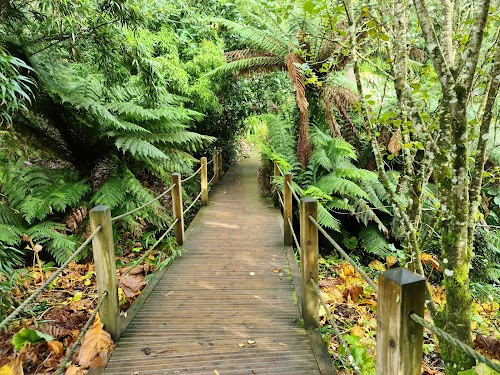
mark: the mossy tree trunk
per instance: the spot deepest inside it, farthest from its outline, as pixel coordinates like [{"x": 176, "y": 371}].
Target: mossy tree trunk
[{"x": 453, "y": 151}]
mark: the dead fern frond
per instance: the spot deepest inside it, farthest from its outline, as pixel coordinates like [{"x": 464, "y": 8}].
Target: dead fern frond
[{"x": 241, "y": 54}]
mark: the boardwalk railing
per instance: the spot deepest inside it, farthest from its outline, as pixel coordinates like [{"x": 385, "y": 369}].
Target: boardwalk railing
[
  {"x": 401, "y": 293},
  {"x": 104, "y": 253}
]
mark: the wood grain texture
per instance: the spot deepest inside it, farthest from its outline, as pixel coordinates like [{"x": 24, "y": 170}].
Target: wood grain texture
[{"x": 228, "y": 304}]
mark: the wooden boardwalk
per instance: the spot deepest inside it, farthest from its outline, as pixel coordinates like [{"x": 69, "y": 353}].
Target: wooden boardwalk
[{"x": 228, "y": 305}]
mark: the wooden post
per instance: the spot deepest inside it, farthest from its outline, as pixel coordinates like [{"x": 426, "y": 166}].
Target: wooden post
[
  {"x": 287, "y": 210},
  {"x": 309, "y": 262},
  {"x": 204, "y": 181},
  {"x": 105, "y": 269},
  {"x": 399, "y": 339},
  {"x": 216, "y": 168},
  {"x": 219, "y": 163},
  {"x": 177, "y": 208}
]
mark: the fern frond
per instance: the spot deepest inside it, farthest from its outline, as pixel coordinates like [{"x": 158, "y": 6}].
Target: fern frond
[
  {"x": 266, "y": 63},
  {"x": 112, "y": 193},
  {"x": 131, "y": 111},
  {"x": 139, "y": 148},
  {"x": 261, "y": 39},
  {"x": 52, "y": 237},
  {"x": 327, "y": 220},
  {"x": 8, "y": 216},
  {"x": 340, "y": 205},
  {"x": 374, "y": 242},
  {"x": 365, "y": 214},
  {"x": 10, "y": 234},
  {"x": 332, "y": 184}
]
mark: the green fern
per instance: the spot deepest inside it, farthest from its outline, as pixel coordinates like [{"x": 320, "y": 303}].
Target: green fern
[
  {"x": 52, "y": 236},
  {"x": 112, "y": 193},
  {"x": 374, "y": 242},
  {"x": 10, "y": 234}
]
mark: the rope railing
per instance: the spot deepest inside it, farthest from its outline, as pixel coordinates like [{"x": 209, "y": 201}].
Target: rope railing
[
  {"x": 191, "y": 176},
  {"x": 210, "y": 161},
  {"x": 280, "y": 170},
  {"x": 336, "y": 329},
  {"x": 192, "y": 203},
  {"x": 68, "y": 358},
  {"x": 297, "y": 244},
  {"x": 294, "y": 193},
  {"x": 211, "y": 180},
  {"x": 146, "y": 253},
  {"x": 455, "y": 342},
  {"x": 281, "y": 200},
  {"x": 47, "y": 283},
  {"x": 345, "y": 255},
  {"x": 144, "y": 205}
]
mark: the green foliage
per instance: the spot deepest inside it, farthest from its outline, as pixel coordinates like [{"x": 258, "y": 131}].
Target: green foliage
[
  {"x": 374, "y": 242},
  {"x": 37, "y": 192},
  {"x": 15, "y": 87},
  {"x": 360, "y": 355},
  {"x": 27, "y": 335}
]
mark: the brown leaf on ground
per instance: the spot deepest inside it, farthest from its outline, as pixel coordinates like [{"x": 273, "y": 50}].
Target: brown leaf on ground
[
  {"x": 488, "y": 346},
  {"x": 14, "y": 367},
  {"x": 75, "y": 370},
  {"x": 131, "y": 284},
  {"x": 55, "y": 347},
  {"x": 354, "y": 292},
  {"x": 96, "y": 346},
  {"x": 134, "y": 271}
]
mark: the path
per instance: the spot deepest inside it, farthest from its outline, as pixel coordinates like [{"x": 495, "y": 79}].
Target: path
[{"x": 227, "y": 306}]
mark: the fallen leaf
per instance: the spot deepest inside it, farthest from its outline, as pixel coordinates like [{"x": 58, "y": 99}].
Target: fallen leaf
[
  {"x": 130, "y": 284},
  {"x": 252, "y": 273},
  {"x": 215, "y": 371},
  {"x": 241, "y": 345},
  {"x": 277, "y": 270},
  {"x": 377, "y": 265},
  {"x": 96, "y": 346},
  {"x": 354, "y": 292},
  {"x": 74, "y": 370},
  {"x": 282, "y": 344},
  {"x": 251, "y": 342},
  {"x": 391, "y": 261},
  {"x": 258, "y": 297},
  {"x": 55, "y": 347},
  {"x": 14, "y": 367}
]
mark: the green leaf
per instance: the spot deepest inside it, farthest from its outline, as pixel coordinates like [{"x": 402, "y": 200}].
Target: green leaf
[{"x": 26, "y": 335}]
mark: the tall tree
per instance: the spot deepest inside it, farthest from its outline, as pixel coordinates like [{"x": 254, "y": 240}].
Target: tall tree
[{"x": 446, "y": 141}]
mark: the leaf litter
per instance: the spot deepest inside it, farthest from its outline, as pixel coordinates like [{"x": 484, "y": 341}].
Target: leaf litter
[{"x": 59, "y": 315}]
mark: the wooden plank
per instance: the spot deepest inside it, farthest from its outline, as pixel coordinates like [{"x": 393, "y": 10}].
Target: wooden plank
[{"x": 228, "y": 304}]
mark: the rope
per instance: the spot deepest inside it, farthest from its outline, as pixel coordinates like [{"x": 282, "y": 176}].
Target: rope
[
  {"x": 336, "y": 329},
  {"x": 281, "y": 200},
  {"x": 143, "y": 256},
  {"x": 211, "y": 180},
  {"x": 144, "y": 205},
  {"x": 190, "y": 177},
  {"x": 49, "y": 281},
  {"x": 344, "y": 254},
  {"x": 192, "y": 204},
  {"x": 210, "y": 162},
  {"x": 457, "y": 343},
  {"x": 279, "y": 169},
  {"x": 294, "y": 236},
  {"x": 67, "y": 359},
  {"x": 293, "y": 192}
]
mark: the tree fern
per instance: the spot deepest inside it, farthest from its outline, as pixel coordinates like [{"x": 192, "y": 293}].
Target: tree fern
[{"x": 10, "y": 234}]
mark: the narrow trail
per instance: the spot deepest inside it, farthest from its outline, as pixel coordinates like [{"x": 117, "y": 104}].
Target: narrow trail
[{"x": 226, "y": 306}]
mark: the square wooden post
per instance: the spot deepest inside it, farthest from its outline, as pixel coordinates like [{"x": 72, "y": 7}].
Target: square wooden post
[
  {"x": 309, "y": 262},
  {"x": 177, "y": 208},
  {"x": 216, "y": 168},
  {"x": 105, "y": 269},
  {"x": 276, "y": 188},
  {"x": 287, "y": 210},
  {"x": 204, "y": 181},
  {"x": 219, "y": 163},
  {"x": 399, "y": 339}
]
